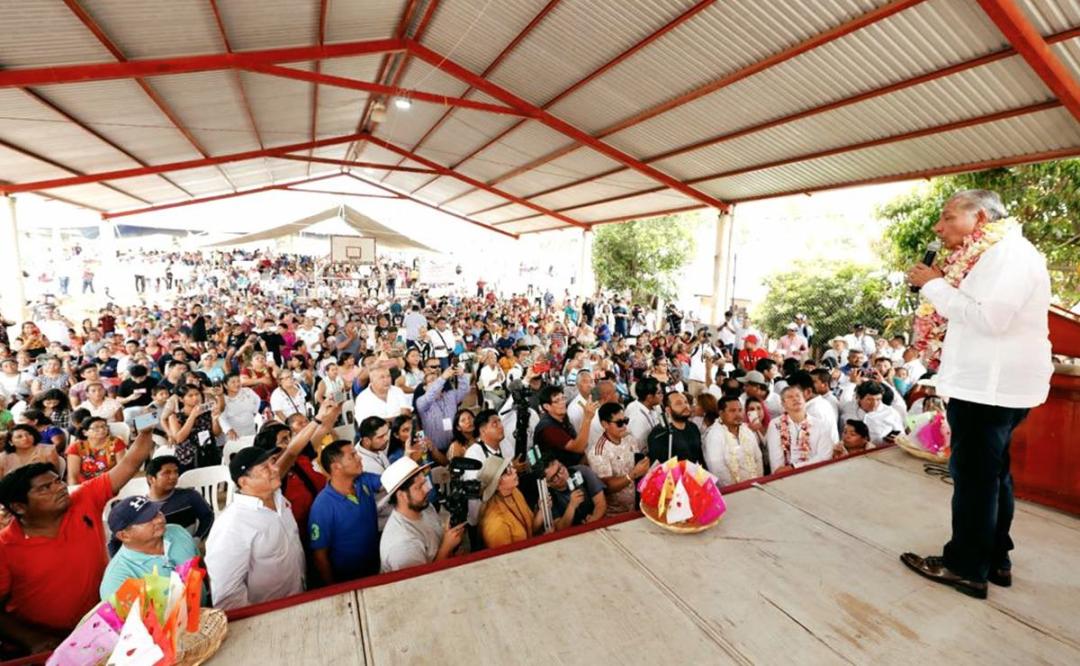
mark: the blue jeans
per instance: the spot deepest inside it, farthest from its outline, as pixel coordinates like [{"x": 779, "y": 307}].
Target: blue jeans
[{"x": 982, "y": 502}]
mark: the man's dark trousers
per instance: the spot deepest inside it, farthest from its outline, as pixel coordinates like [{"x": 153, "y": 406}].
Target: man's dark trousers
[{"x": 982, "y": 502}]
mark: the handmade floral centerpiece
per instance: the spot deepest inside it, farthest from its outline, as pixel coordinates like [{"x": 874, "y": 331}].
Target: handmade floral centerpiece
[{"x": 681, "y": 496}]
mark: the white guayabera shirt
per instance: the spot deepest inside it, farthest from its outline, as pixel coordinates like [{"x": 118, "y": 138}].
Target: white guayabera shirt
[{"x": 997, "y": 346}]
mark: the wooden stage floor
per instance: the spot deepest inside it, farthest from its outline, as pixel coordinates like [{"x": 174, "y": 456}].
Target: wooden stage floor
[{"x": 804, "y": 570}]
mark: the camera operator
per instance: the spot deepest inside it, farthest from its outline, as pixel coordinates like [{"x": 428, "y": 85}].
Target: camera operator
[
  {"x": 414, "y": 533},
  {"x": 573, "y": 502},
  {"x": 702, "y": 352},
  {"x": 555, "y": 434}
]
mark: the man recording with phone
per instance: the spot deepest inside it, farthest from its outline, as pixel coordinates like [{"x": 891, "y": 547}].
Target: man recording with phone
[
  {"x": 555, "y": 434},
  {"x": 577, "y": 494}
]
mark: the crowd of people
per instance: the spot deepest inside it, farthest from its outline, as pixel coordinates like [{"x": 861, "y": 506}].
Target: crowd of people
[{"x": 339, "y": 421}]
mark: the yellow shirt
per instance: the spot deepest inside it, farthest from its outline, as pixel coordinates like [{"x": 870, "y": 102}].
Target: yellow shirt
[{"x": 505, "y": 520}]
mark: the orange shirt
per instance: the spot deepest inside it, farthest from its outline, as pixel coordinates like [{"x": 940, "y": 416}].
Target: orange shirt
[{"x": 53, "y": 581}]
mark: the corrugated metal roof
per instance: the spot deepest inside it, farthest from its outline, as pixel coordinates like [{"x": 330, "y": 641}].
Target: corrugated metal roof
[
  {"x": 38, "y": 34},
  {"x": 563, "y": 46},
  {"x": 1049, "y": 130},
  {"x": 121, "y": 111},
  {"x": 997, "y": 87},
  {"x": 147, "y": 28},
  {"x": 357, "y": 20},
  {"x": 209, "y": 106},
  {"x": 925, "y": 38},
  {"x": 1050, "y": 16},
  {"x": 266, "y": 24}
]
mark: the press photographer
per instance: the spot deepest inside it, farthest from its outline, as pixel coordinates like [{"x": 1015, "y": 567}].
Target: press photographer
[{"x": 414, "y": 533}]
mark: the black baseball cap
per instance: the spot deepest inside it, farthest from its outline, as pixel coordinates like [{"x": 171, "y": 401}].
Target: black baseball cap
[{"x": 247, "y": 458}]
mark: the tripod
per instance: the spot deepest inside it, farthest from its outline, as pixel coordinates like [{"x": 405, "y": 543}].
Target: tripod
[{"x": 544, "y": 503}]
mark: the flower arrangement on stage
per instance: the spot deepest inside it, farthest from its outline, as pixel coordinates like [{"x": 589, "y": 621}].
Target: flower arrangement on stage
[
  {"x": 681, "y": 496},
  {"x": 930, "y": 436},
  {"x": 150, "y": 621},
  {"x": 930, "y": 326}
]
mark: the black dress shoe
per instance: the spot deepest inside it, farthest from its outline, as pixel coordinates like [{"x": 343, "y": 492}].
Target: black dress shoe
[
  {"x": 933, "y": 568},
  {"x": 1000, "y": 577}
]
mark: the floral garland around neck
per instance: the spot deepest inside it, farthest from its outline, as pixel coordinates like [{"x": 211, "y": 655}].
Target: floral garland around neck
[
  {"x": 930, "y": 326},
  {"x": 732, "y": 458},
  {"x": 785, "y": 438}
]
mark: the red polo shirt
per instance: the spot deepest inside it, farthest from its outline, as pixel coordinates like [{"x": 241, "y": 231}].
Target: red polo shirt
[{"x": 53, "y": 581}]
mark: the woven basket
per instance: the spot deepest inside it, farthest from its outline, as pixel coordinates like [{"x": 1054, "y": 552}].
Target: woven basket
[
  {"x": 678, "y": 528},
  {"x": 914, "y": 449},
  {"x": 197, "y": 647}
]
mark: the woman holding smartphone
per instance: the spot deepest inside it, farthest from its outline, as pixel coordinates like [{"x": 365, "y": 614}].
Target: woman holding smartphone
[{"x": 195, "y": 428}]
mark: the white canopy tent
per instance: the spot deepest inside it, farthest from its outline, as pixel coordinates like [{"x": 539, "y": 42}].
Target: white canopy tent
[{"x": 385, "y": 237}]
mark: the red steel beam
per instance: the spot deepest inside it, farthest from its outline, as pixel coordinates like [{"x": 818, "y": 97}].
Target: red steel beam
[
  {"x": 321, "y": 18},
  {"x": 133, "y": 69},
  {"x": 354, "y": 163},
  {"x": 561, "y": 126},
  {"x": 972, "y": 63},
  {"x": 364, "y": 123},
  {"x": 431, "y": 206},
  {"x": 69, "y": 202},
  {"x": 536, "y": 20},
  {"x": 158, "y": 101},
  {"x": 666, "y": 28},
  {"x": 446, "y": 171},
  {"x": 626, "y": 218},
  {"x": 403, "y": 62},
  {"x": 816, "y": 41},
  {"x": 178, "y": 166},
  {"x": 378, "y": 88},
  {"x": 215, "y": 197},
  {"x": 819, "y": 154},
  {"x": 245, "y": 103},
  {"x": 1017, "y": 28},
  {"x": 984, "y": 165},
  {"x": 63, "y": 167}
]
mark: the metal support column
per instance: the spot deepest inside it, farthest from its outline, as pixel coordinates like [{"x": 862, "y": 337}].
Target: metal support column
[
  {"x": 722, "y": 265},
  {"x": 13, "y": 299}
]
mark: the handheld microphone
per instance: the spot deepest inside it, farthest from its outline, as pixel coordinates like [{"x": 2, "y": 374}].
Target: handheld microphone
[{"x": 928, "y": 259}]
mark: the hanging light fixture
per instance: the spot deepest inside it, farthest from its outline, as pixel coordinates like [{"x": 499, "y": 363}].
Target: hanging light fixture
[{"x": 402, "y": 103}]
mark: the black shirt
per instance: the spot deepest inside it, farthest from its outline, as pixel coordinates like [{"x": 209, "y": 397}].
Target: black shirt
[
  {"x": 685, "y": 443},
  {"x": 129, "y": 387}
]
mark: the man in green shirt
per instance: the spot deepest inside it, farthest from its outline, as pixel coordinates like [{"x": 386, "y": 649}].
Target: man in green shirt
[{"x": 146, "y": 542}]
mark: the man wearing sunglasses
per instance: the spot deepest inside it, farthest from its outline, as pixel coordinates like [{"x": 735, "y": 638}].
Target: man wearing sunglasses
[{"x": 612, "y": 459}]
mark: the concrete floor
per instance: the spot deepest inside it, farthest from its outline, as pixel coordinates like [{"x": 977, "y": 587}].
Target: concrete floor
[{"x": 804, "y": 570}]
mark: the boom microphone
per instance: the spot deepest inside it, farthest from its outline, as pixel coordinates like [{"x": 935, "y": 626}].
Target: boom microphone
[{"x": 928, "y": 259}]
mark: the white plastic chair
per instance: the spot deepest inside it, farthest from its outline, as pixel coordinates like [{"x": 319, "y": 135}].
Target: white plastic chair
[
  {"x": 121, "y": 430},
  {"x": 233, "y": 446},
  {"x": 136, "y": 486},
  {"x": 347, "y": 431},
  {"x": 348, "y": 412},
  {"x": 208, "y": 481}
]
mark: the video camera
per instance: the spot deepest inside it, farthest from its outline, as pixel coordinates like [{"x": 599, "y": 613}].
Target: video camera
[{"x": 460, "y": 491}]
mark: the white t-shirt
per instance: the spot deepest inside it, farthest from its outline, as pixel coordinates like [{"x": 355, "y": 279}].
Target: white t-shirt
[
  {"x": 369, "y": 404},
  {"x": 280, "y": 401},
  {"x": 407, "y": 543}
]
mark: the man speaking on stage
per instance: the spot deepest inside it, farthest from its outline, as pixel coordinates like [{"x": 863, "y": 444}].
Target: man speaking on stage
[{"x": 984, "y": 319}]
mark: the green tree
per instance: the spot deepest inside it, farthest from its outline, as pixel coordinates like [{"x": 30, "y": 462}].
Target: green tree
[
  {"x": 1044, "y": 198},
  {"x": 833, "y": 295},
  {"x": 644, "y": 256}
]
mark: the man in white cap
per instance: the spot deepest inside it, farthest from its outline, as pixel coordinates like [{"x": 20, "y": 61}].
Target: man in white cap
[{"x": 413, "y": 534}]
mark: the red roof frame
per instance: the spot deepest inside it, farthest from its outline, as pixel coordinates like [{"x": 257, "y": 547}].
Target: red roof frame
[{"x": 398, "y": 51}]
